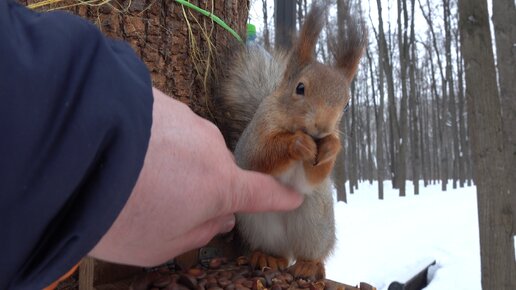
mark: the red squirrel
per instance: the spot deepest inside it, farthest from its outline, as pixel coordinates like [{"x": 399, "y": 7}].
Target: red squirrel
[{"x": 289, "y": 107}]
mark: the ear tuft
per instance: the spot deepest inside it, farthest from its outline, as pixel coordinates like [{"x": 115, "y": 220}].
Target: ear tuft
[
  {"x": 351, "y": 40},
  {"x": 304, "y": 49}
]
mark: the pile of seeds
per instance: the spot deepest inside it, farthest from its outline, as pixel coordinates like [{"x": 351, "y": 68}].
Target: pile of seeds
[{"x": 219, "y": 274}]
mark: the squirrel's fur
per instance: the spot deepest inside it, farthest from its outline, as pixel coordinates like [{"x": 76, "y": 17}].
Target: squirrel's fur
[{"x": 281, "y": 115}]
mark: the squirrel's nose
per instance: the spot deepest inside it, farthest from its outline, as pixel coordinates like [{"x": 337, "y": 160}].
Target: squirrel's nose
[{"x": 319, "y": 132}]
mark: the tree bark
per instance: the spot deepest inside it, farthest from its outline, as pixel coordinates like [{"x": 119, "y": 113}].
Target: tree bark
[
  {"x": 442, "y": 116},
  {"x": 394, "y": 140},
  {"x": 490, "y": 163},
  {"x": 177, "y": 44},
  {"x": 403, "y": 46},
  {"x": 266, "y": 34},
  {"x": 413, "y": 104},
  {"x": 369, "y": 161},
  {"x": 504, "y": 19},
  {"x": 454, "y": 140},
  {"x": 284, "y": 23},
  {"x": 379, "y": 122},
  {"x": 464, "y": 157},
  {"x": 436, "y": 122},
  {"x": 352, "y": 140},
  {"x": 340, "y": 174}
]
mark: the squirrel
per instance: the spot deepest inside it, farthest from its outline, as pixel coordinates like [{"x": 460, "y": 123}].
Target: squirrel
[{"x": 282, "y": 113}]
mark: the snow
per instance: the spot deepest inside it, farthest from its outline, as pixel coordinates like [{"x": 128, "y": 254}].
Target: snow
[{"x": 380, "y": 242}]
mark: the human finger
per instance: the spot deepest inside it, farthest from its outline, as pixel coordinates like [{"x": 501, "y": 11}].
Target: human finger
[{"x": 256, "y": 192}]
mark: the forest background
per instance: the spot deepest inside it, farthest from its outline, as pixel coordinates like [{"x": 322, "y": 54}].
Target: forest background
[{"x": 434, "y": 100}]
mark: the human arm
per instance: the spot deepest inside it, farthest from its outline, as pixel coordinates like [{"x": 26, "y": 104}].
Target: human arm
[
  {"x": 75, "y": 119},
  {"x": 75, "y": 122},
  {"x": 188, "y": 190}
]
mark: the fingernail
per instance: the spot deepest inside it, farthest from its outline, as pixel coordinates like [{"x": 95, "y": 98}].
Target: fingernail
[{"x": 228, "y": 225}]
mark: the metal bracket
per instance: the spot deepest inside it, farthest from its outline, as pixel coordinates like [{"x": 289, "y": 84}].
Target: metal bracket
[
  {"x": 208, "y": 253},
  {"x": 416, "y": 282}
]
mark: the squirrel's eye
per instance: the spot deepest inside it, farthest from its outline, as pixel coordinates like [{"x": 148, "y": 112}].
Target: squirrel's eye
[
  {"x": 300, "y": 89},
  {"x": 346, "y": 108}
]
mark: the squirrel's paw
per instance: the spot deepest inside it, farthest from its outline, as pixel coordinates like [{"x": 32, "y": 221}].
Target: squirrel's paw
[
  {"x": 303, "y": 147},
  {"x": 260, "y": 260},
  {"x": 312, "y": 270},
  {"x": 328, "y": 148}
]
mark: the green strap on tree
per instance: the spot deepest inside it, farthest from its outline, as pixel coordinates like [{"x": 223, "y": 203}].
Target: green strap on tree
[{"x": 211, "y": 16}]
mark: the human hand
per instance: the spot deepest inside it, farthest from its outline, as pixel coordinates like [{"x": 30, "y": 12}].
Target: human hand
[{"x": 187, "y": 192}]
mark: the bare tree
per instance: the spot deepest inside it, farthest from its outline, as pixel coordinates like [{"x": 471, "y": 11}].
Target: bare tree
[
  {"x": 451, "y": 93},
  {"x": 352, "y": 141},
  {"x": 368, "y": 141},
  {"x": 403, "y": 46},
  {"x": 413, "y": 104},
  {"x": 340, "y": 174},
  {"x": 490, "y": 163},
  {"x": 301, "y": 11},
  {"x": 504, "y": 19},
  {"x": 393, "y": 115},
  {"x": 284, "y": 23},
  {"x": 442, "y": 106},
  {"x": 266, "y": 34},
  {"x": 378, "y": 110},
  {"x": 464, "y": 164}
]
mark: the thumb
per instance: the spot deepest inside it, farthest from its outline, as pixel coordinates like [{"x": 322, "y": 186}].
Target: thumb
[{"x": 256, "y": 192}]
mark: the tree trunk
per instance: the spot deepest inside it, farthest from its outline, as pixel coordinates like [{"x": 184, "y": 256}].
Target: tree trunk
[
  {"x": 177, "y": 44},
  {"x": 403, "y": 46},
  {"x": 436, "y": 122},
  {"x": 352, "y": 140},
  {"x": 414, "y": 104},
  {"x": 340, "y": 174},
  {"x": 424, "y": 121},
  {"x": 451, "y": 94},
  {"x": 378, "y": 110},
  {"x": 442, "y": 116},
  {"x": 463, "y": 164},
  {"x": 504, "y": 19},
  {"x": 393, "y": 116},
  {"x": 369, "y": 169},
  {"x": 487, "y": 140},
  {"x": 284, "y": 23},
  {"x": 266, "y": 34}
]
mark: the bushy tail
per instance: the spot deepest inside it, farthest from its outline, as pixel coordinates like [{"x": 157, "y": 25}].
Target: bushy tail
[{"x": 254, "y": 74}]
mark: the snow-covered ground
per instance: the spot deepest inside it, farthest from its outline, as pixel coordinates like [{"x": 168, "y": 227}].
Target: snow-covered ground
[{"x": 382, "y": 241}]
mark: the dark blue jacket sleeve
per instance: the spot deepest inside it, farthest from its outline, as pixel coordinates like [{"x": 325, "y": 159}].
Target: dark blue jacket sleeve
[{"x": 75, "y": 118}]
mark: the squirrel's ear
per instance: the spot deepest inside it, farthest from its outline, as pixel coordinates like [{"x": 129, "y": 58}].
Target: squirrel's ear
[
  {"x": 303, "y": 51},
  {"x": 351, "y": 41},
  {"x": 312, "y": 26}
]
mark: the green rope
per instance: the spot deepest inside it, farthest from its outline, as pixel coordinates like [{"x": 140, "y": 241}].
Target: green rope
[{"x": 212, "y": 16}]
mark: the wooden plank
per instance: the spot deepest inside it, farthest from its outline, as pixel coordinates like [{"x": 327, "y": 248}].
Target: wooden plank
[
  {"x": 333, "y": 285},
  {"x": 94, "y": 272},
  {"x": 86, "y": 274}
]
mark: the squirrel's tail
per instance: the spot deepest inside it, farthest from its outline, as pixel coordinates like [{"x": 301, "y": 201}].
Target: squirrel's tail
[{"x": 254, "y": 74}]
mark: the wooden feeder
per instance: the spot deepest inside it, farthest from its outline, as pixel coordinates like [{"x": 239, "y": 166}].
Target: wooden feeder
[{"x": 95, "y": 274}]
